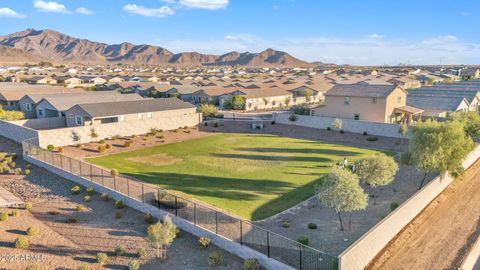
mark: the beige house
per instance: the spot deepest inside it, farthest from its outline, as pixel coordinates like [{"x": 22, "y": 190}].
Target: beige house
[{"x": 374, "y": 103}]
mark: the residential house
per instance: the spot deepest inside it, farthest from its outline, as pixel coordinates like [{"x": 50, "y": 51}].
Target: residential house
[{"x": 438, "y": 106}]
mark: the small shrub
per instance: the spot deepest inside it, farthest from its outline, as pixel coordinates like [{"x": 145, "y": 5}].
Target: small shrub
[
  {"x": 148, "y": 218},
  {"x": 33, "y": 231},
  {"x": 76, "y": 190},
  {"x": 127, "y": 144},
  {"x": 205, "y": 124},
  {"x": 87, "y": 198},
  {"x": 251, "y": 264},
  {"x": 204, "y": 242},
  {"x": 101, "y": 257},
  {"x": 61, "y": 150},
  {"x": 215, "y": 258},
  {"x": 108, "y": 146},
  {"x": 393, "y": 206},
  {"x": 22, "y": 242},
  {"x": 119, "y": 251},
  {"x": 15, "y": 213},
  {"x": 71, "y": 220},
  {"x": 329, "y": 128},
  {"x": 133, "y": 265},
  {"x": 90, "y": 191},
  {"x": 102, "y": 141},
  {"x": 292, "y": 118},
  {"x": 101, "y": 148},
  {"x": 3, "y": 216},
  {"x": 26, "y": 171},
  {"x": 365, "y": 133},
  {"x": 312, "y": 226},
  {"x": 28, "y": 206},
  {"x": 141, "y": 253},
  {"x": 84, "y": 267},
  {"x": 80, "y": 208},
  {"x": 114, "y": 172},
  {"x": 302, "y": 239},
  {"x": 372, "y": 138},
  {"x": 119, "y": 204},
  {"x": 286, "y": 224},
  {"x": 119, "y": 214},
  {"x": 105, "y": 197},
  {"x": 50, "y": 147},
  {"x": 341, "y": 131},
  {"x": 35, "y": 266}
]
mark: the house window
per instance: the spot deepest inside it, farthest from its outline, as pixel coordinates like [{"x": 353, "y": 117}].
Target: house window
[
  {"x": 78, "y": 120},
  {"x": 399, "y": 100},
  {"x": 40, "y": 112},
  {"x": 346, "y": 100},
  {"x": 149, "y": 115},
  {"x": 140, "y": 116},
  {"x": 28, "y": 106},
  {"x": 356, "y": 116},
  {"x": 374, "y": 100},
  {"x": 122, "y": 118}
]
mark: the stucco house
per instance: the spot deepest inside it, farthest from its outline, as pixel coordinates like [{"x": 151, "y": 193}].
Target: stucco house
[
  {"x": 367, "y": 102},
  {"x": 438, "y": 106}
]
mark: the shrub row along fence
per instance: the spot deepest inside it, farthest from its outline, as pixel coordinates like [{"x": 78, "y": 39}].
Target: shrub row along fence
[{"x": 245, "y": 233}]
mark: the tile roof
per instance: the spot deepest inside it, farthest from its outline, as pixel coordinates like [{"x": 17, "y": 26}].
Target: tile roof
[{"x": 361, "y": 90}]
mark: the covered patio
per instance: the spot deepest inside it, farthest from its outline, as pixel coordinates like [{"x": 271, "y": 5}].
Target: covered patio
[{"x": 407, "y": 114}]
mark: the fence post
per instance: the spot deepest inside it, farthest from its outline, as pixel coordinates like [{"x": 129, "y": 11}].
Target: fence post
[
  {"x": 51, "y": 155},
  {"x": 176, "y": 207},
  {"x": 91, "y": 173},
  {"x": 300, "y": 257},
  {"x": 241, "y": 232},
  {"x": 61, "y": 161},
  {"x": 114, "y": 182},
  {"x": 268, "y": 244},
  {"x": 71, "y": 168},
  {"x": 143, "y": 196},
  {"x": 158, "y": 198},
  {"x": 216, "y": 222},
  {"x": 102, "y": 177},
  {"x": 194, "y": 213},
  {"x": 128, "y": 187}
]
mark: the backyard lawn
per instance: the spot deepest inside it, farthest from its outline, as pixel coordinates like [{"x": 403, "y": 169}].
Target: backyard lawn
[{"x": 250, "y": 175}]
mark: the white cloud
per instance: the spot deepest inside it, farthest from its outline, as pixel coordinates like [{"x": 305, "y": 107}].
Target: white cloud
[
  {"x": 374, "y": 36},
  {"x": 149, "y": 12},
  {"x": 84, "y": 11},
  {"x": 7, "y": 12},
  {"x": 361, "y": 51},
  {"x": 45, "y": 6},
  {"x": 205, "y": 4}
]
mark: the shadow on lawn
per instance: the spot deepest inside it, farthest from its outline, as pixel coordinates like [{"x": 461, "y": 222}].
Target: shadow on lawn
[
  {"x": 323, "y": 151},
  {"x": 211, "y": 186},
  {"x": 273, "y": 158}
]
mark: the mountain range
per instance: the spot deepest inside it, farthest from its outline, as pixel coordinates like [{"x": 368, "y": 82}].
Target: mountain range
[{"x": 35, "y": 45}]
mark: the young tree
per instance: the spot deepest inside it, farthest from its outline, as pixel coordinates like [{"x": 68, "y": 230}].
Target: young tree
[
  {"x": 75, "y": 137},
  {"x": 340, "y": 189},
  {"x": 377, "y": 170},
  {"x": 208, "y": 110},
  {"x": 93, "y": 134},
  {"x": 439, "y": 147},
  {"x": 161, "y": 235},
  {"x": 403, "y": 130}
]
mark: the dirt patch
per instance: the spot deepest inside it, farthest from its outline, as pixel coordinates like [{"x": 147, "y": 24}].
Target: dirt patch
[{"x": 156, "y": 160}]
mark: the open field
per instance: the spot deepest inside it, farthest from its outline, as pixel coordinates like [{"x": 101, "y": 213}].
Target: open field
[{"x": 251, "y": 175}]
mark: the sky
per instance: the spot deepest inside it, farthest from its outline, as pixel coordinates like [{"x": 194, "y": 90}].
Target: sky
[{"x": 358, "y": 32}]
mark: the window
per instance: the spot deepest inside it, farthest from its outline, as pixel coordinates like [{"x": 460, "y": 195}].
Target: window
[
  {"x": 346, "y": 100},
  {"x": 149, "y": 115},
  {"x": 40, "y": 112},
  {"x": 399, "y": 100},
  {"x": 374, "y": 100},
  {"x": 28, "y": 106},
  {"x": 78, "y": 120},
  {"x": 356, "y": 116},
  {"x": 121, "y": 118},
  {"x": 140, "y": 116}
]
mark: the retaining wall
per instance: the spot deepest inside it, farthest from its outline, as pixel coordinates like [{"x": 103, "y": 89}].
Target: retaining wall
[
  {"x": 361, "y": 252},
  {"x": 350, "y": 125},
  {"x": 16, "y": 132}
]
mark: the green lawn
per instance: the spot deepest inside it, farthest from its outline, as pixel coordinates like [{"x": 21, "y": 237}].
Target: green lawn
[{"x": 253, "y": 176}]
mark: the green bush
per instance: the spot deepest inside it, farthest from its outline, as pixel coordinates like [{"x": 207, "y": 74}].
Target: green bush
[
  {"x": 50, "y": 147},
  {"x": 393, "y": 206},
  {"x": 15, "y": 213},
  {"x": 286, "y": 224},
  {"x": 141, "y": 253},
  {"x": 312, "y": 226},
  {"x": 35, "y": 266},
  {"x": 90, "y": 191},
  {"x": 76, "y": 190},
  {"x": 101, "y": 148},
  {"x": 22, "y": 242},
  {"x": 3, "y": 216},
  {"x": 301, "y": 109},
  {"x": 133, "y": 265},
  {"x": 204, "y": 242},
  {"x": 292, "y": 118},
  {"x": 84, "y": 267},
  {"x": 105, "y": 197},
  {"x": 302, "y": 239},
  {"x": 28, "y": 206},
  {"x": 251, "y": 264},
  {"x": 119, "y": 204},
  {"x": 119, "y": 214},
  {"x": 119, "y": 251},
  {"x": 33, "y": 231},
  {"x": 148, "y": 218},
  {"x": 26, "y": 172},
  {"x": 101, "y": 257},
  {"x": 215, "y": 258}
]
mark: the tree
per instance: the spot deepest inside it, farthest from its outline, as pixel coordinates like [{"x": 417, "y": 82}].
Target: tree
[
  {"x": 75, "y": 137},
  {"x": 377, "y": 170},
  {"x": 287, "y": 101},
  {"x": 439, "y": 147},
  {"x": 10, "y": 115},
  {"x": 93, "y": 134},
  {"x": 308, "y": 95},
  {"x": 470, "y": 122},
  {"x": 403, "y": 130},
  {"x": 208, "y": 110},
  {"x": 161, "y": 235},
  {"x": 340, "y": 189}
]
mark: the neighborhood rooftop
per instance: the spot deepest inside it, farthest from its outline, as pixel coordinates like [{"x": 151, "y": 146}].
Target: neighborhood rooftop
[{"x": 361, "y": 90}]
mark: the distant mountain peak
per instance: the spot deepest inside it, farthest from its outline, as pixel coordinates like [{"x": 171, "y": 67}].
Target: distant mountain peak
[{"x": 58, "y": 47}]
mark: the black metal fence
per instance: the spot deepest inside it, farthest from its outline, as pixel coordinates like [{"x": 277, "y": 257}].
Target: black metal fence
[{"x": 243, "y": 232}]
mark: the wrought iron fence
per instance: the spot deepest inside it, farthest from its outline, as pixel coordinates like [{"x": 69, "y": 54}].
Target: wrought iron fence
[{"x": 243, "y": 232}]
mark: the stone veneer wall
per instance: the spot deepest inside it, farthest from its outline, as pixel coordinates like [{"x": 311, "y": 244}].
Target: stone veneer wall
[{"x": 16, "y": 132}]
